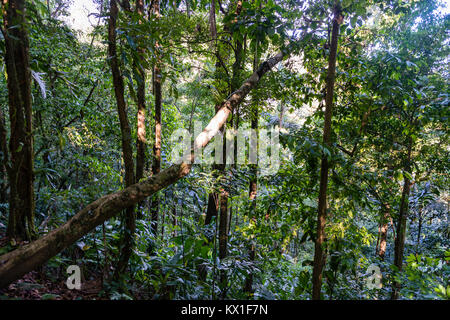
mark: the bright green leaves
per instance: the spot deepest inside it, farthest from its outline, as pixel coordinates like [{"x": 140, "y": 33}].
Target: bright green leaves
[
  {"x": 259, "y": 23},
  {"x": 426, "y": 277}
]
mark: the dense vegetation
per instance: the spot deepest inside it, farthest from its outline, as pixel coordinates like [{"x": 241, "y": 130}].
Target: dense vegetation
[{"x": 357, "y": 89}]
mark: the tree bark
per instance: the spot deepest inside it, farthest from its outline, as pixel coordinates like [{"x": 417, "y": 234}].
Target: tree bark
[
  {"x": 156, "y": 168},
  {"x": 142, "y": 110},
  {"x": 253, "y": 190},
  {"x": 4, "y": 161},
  {"x": 130, "y": 223},
  {"x": 224, "y": 193},
  {"x": 20, "y": 173},
  {"x": 213, "y": 198},
  {"x": 383, "y": 232},
  {"x": 223, "y": 238},
  {"x": 401, "y": 225},
  {"x": 253, "y": 184},
  {"x": 213, "y": 207},
  {"x": 15, "y": 264},
  {"x": 319, "y": 256}
]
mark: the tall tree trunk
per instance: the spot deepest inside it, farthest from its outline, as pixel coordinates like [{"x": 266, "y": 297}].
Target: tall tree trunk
[
  {"x": 319, "y": 256},
  {"x": 213, "y": 198},
  {"x": 15, "y": 264},
  {"x": 156, "y": 168},
  {"x": 253, "y": 184},
  {"x": 224, "y": 193},
  {"x": 130, "y": 223},
  {"x": 217, "y": 201},
  {"x": 21, "y": 176},
  {"x": 253, "y": 189},
  {"x": 142, "y": 110},
  {"x": 4, "y": 164},
  {"x": 223, "y": 219},
  {"x": 401, "y": 225}
]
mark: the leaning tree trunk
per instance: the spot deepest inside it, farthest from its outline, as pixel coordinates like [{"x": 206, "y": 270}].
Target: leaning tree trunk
[
  {"x": 20, "y": 170},
  {"x": 319, "y": 256},
  {"x": 15, "y": 264},
  {"x": 130, "y": 222}
]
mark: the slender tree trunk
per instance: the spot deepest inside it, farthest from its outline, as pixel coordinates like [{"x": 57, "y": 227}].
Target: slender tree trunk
[
  {"x": 213, "y": 207},
  {"x": 141, "y": 141},
  {"x": 156, "y": 168},
  {"x": 16, "y": 263},
  {"x": 401, "y": 225},
  {"x": 280, "y": 121},
  {"x": 319, "y": 255},
  {"x": 217, "y": 201},
  {"x": 419, "y": 231},
  {"x": 142, "y": 110},
  {"x": 383, "y": 231},
  {"x": 223, "y": 238},
  {"x": 175, "y": 220},
  {"x": 253, "y": 184},
  {"x": 224, "y": 194},
  {"x": 223, "y": 220},
  {"x": 130, "y": 223},
  {"x": 213, "y": 198},
  {"x": 21, "y": 176},
  {"x": 248, "y": 287},
  {"x": 4, "y": 161},
  {"x": 212, "y": 21}
]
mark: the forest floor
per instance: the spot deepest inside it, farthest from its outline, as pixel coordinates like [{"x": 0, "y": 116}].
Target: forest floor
[
  {"x": 33, "y": 287},
  {"x": 36, "y": 285}
]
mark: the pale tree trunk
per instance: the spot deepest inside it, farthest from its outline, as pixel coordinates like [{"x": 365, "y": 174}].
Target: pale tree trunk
[
  {"x": 15, "y": 264},
  {"x": 130, "y": 223},
  {"x": 20, "y": 172},
  {"x": 319, "y": 256}
]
